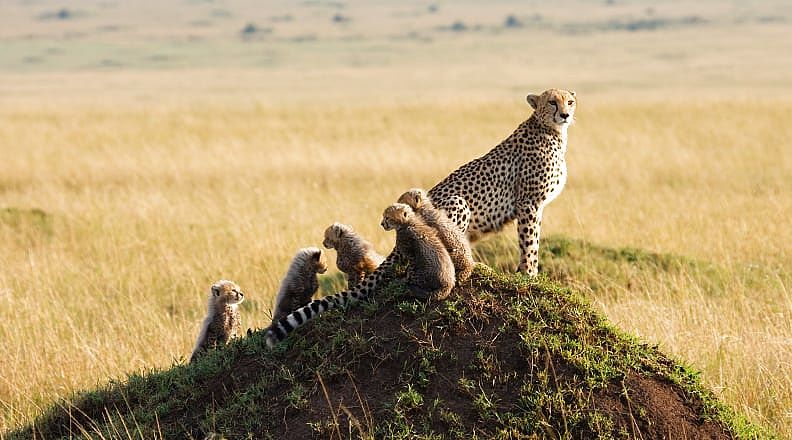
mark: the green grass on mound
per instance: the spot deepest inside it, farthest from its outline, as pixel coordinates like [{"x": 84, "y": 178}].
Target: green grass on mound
[
  {"x": 505, "y": 357},
  {"x": 599, "y": 270}
]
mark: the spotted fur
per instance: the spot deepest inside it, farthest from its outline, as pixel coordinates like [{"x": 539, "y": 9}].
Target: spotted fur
[
  {"x": 223, "y": 321},
  {"x": 515, "y": 180},
  {"x": 301, "y": 281},
  {"x": 278, "y": 331},
  {"x": 430, "y": 269},
  {"x": 356, "y": 257},
  {"x": 447, "y": 231}
]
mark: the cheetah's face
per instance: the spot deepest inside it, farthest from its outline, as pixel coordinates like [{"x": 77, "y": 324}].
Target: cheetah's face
[
  {"x": 396, "y": 216},
  {"x": 554, "y": 107},
  {"x": 413, "y": 198},
  {"x": 226, "y": 292},
  {"x": 387, "y": 224},
  {"x": 331, "y": 236}
]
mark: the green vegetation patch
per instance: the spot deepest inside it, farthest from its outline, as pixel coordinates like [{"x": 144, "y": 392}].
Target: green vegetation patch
[
  {"x": 604, "y": 271},
  {"x": 33, "y": 220}
]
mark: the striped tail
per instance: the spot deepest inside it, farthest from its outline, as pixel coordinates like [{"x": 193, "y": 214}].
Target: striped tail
[{"x": 281, "y": 329}]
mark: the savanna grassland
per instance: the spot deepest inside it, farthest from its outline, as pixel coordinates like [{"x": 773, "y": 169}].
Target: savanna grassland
[{"x": 146, "y": 152}]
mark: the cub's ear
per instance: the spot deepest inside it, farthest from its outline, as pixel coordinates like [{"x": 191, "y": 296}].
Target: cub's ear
[
  {"x": 316, "y": 255},
  {"x": 216, "y": 290},
  {"x": 533, "y": 100}
]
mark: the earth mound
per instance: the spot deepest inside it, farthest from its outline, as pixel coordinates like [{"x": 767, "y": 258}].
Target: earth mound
[{"x": 505, "y": 356}]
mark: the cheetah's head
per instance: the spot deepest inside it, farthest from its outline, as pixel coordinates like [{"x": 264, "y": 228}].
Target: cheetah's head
[
  {"x": 414, "y": 198},
  {"x": 333, "y": 234},
  {"x": 396, "y": 216},
  {"x": 319, "y": 260},
  {"x": 314, "y": 259},
  {"x": 226, "y": 293},
  {"x": 554, "y": 107}
]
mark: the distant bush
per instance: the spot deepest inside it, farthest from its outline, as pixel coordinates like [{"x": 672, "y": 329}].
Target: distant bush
[
  {"x": 512, "y": 22},
  {"x": 651, "y": 24},
  {"x": 338, "y": 18},
  {"x": 458, "y": 26},
  {"x": 251, "y": 31},
  {"x": 635, "y": 25},
  {"x": 62, "y": 14}
]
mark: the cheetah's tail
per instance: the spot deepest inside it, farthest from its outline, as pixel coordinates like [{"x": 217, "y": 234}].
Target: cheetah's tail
[{"x": 281, "y": 329}]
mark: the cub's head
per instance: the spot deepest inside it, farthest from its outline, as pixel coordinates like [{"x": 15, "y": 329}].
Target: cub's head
[
  {"x": 333, "y": 234},
  {"x": 554, "y": 107},
  {"x": 396, "y": 216},
  {"x": 414, "y": 198},
  {"x": 315, "y": 258},
  {"x": 226, "y": 293}
]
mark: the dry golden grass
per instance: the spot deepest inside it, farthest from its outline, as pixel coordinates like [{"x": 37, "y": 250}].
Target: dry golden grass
[
  {"x": 146, "y": 207},
  {"x": 147, "y": 150}
]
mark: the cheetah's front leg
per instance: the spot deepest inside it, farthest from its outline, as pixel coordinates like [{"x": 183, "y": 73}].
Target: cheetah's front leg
[{"x": 529, "y": 221}]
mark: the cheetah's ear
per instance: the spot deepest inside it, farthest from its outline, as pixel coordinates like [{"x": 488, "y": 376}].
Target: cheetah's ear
[
  {"x": 316, "y": 255},
  {"x": 533, "y": 100},
  {"x": 216, "y": 289}
]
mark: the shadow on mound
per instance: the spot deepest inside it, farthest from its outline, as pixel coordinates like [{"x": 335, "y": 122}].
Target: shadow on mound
[{"x": 504, "y": 357}]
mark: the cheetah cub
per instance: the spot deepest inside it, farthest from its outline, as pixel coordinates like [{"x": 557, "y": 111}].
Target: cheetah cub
[
  {"x": 300, "y": 283},
  {"x": 356, "y": 257},
  {"x": 223, "y": 321},
  {"x": 448, "y": 232},
  {"x": 431, "y": 271}
]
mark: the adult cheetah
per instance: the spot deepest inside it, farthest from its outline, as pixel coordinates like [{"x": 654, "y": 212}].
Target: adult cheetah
[{"x": 514, "y": 180}]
